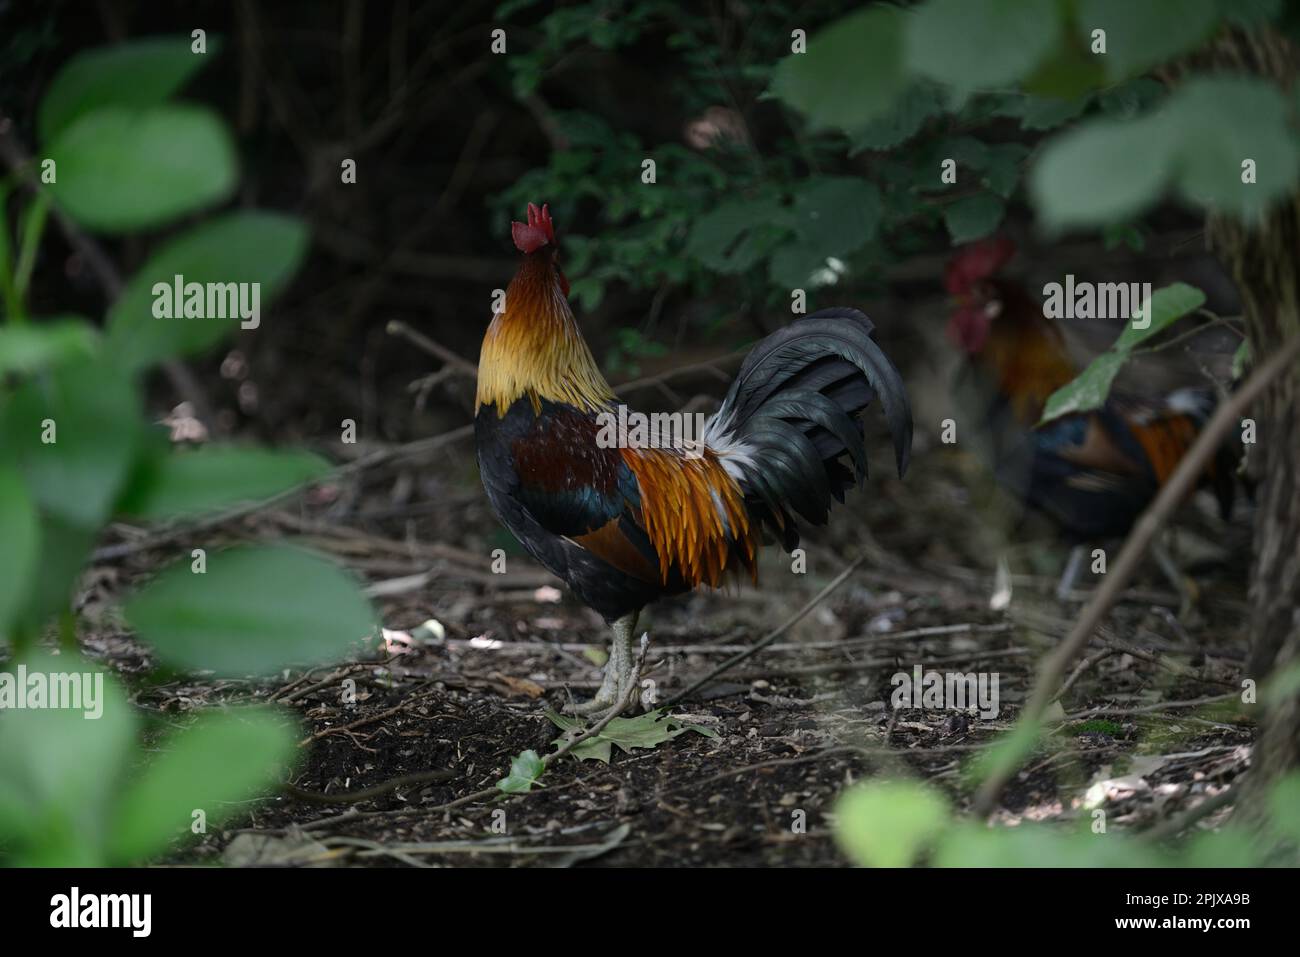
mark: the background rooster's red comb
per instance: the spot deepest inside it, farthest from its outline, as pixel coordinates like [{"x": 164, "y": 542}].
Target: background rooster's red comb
[
  {"x": 975, "y": 262},
  {"x": 536, "y": 233}
]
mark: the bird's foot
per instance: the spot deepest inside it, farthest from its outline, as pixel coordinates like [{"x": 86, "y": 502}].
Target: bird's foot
[{"x": 620, "y": 687}]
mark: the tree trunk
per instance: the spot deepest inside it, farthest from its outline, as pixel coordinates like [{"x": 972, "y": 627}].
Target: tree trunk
[{"x": 1264, "y": 259}]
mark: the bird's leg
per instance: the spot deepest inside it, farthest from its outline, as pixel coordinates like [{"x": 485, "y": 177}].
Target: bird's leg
[
  {"x": 1189, "y": 593},
  {"x": 1071, "y": 574},
  {"x": 619, "y": 671}
]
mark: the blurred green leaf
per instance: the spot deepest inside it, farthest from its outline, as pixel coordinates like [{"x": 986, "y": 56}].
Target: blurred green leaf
[
  {"x": 836, "y": 215},
  {"x": 1249, "y": 12},
  {"x": 254, "y": 611},
  {"x": 73, "y": 433},
  {"x": 1089, "y": 390},
  {"x": 851, "y": 73},
  {"x": 737, "y": 234},
  {"x": 194, "y": 481},
  {"x": 260, "y": 247},
  {"x": 221, "y": 760},
  {"x": 1092, "y": 386},
  {"x": 1249, "y": 120},
  {"x": 1101, "y": 171},
  {"x": 58, "y": 769},
  {"x": 920, "y": 102},
  {"x": 1036, "y": 845},
  {"x": 889, "y": 823},
  {"x": 1127, "y": 100},
  {"x": 1002, "y": 168},
  {"x": 1008, "y": 753},
  {"x": 1108, "y": 170},
  {"x": 124, "y": 170},
  {"x": 1168, "y": 304},
  {"x": 19, "y": 544},
  {"x": 1284, "y": 803},
  {"x": 137, "y": 73},
  {"x": 981, "y": 43},
  {"x": 1228, "y": 847},
  {"x": 973, "y": 217},
  {"x": 1146, "y": 34},
  {"x": 31, "y": 346},
  {"x": 1240, "y": 359},
  {"x": 64, "y": 547}
]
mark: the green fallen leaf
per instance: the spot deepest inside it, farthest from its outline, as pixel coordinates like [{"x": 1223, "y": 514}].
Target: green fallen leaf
[
  {"x": 525, "y": 769},
  {"x": 645, "y": 731}
]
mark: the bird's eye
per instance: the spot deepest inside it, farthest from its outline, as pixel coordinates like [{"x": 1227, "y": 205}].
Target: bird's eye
[{"x": 993, "y": 308}]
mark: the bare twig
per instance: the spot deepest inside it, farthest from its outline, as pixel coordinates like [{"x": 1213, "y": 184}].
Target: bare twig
[
  {"x": 772, "y": 636},
  {"x": 171, "y": 533},
  {"x": 370, "y": 793},
  {"x": 1176, "y": 825},
  {"x": 462, "y": 365}
]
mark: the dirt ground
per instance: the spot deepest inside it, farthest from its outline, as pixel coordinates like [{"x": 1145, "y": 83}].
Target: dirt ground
[{"x": 396, "y": 742}]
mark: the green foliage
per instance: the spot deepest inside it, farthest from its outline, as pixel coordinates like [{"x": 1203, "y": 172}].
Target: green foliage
[
  {"x": 973, "y": 217},
  {"x": 124, "y": 170},
  {"x": 222, "y": 758},
  {"x": 20, "y": 544},
  {"x": 78, "y": 791},
  {"x": 984, "y": 44},
  {"x": 1110, "y": 169},
  {"x": 76, "y": 451},
  {"x": 889, "y": 823},
  {"x": 862, "y": 52},
  {"x": 73, "y": 433},
  {"x": 138, "y": 74},
  {"x": 1144, "y": 35},
  {"x": 1089, "y": 390},
  {"x": 195, "y": 482},
  {"x": 896, "y": 823},
  {"x": 246, "y": 246},
  {"x": 254, "y": 610},
  {"x": 647, "y": 730},
  {"x": 24, "y": 349}
]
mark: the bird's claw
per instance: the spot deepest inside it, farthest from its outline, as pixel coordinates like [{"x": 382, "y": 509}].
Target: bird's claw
[{"x": 619, "y": 688}]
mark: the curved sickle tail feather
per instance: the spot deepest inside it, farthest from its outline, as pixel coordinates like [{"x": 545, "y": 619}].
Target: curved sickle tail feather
[{"x": 794, "y": 412}]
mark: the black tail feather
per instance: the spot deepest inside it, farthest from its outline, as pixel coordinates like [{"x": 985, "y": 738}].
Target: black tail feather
[{"x": 797, "y": 403}]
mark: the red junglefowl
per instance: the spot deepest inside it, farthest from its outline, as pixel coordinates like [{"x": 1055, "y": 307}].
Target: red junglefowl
[
  {"x": 1092, "y": 473},
  {"x": 624, "y": 525}
]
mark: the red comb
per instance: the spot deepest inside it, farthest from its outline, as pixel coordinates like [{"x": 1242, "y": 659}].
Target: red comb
[
  {"x": 536, "y": 233},
  {"x": 975, "y": 262}
]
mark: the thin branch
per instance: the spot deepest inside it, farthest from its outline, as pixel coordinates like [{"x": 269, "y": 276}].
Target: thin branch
[
  {"x": 772, "y": 636},
  {"x": 462, "y": 365}
]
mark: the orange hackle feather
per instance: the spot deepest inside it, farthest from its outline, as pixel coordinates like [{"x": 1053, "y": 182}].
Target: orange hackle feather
[{"x": 693, "y": 513}]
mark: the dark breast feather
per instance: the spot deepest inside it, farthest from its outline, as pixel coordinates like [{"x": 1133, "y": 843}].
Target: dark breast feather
[{"x": 570, "y": 503}]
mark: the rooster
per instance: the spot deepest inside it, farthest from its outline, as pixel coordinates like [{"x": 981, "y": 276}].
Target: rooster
[
  {"x": 1092, "y": 473},
  {"x": 623, "y": 525}
]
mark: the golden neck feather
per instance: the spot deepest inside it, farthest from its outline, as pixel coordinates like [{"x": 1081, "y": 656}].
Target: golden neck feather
[{"x": 533, "y": 348}]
